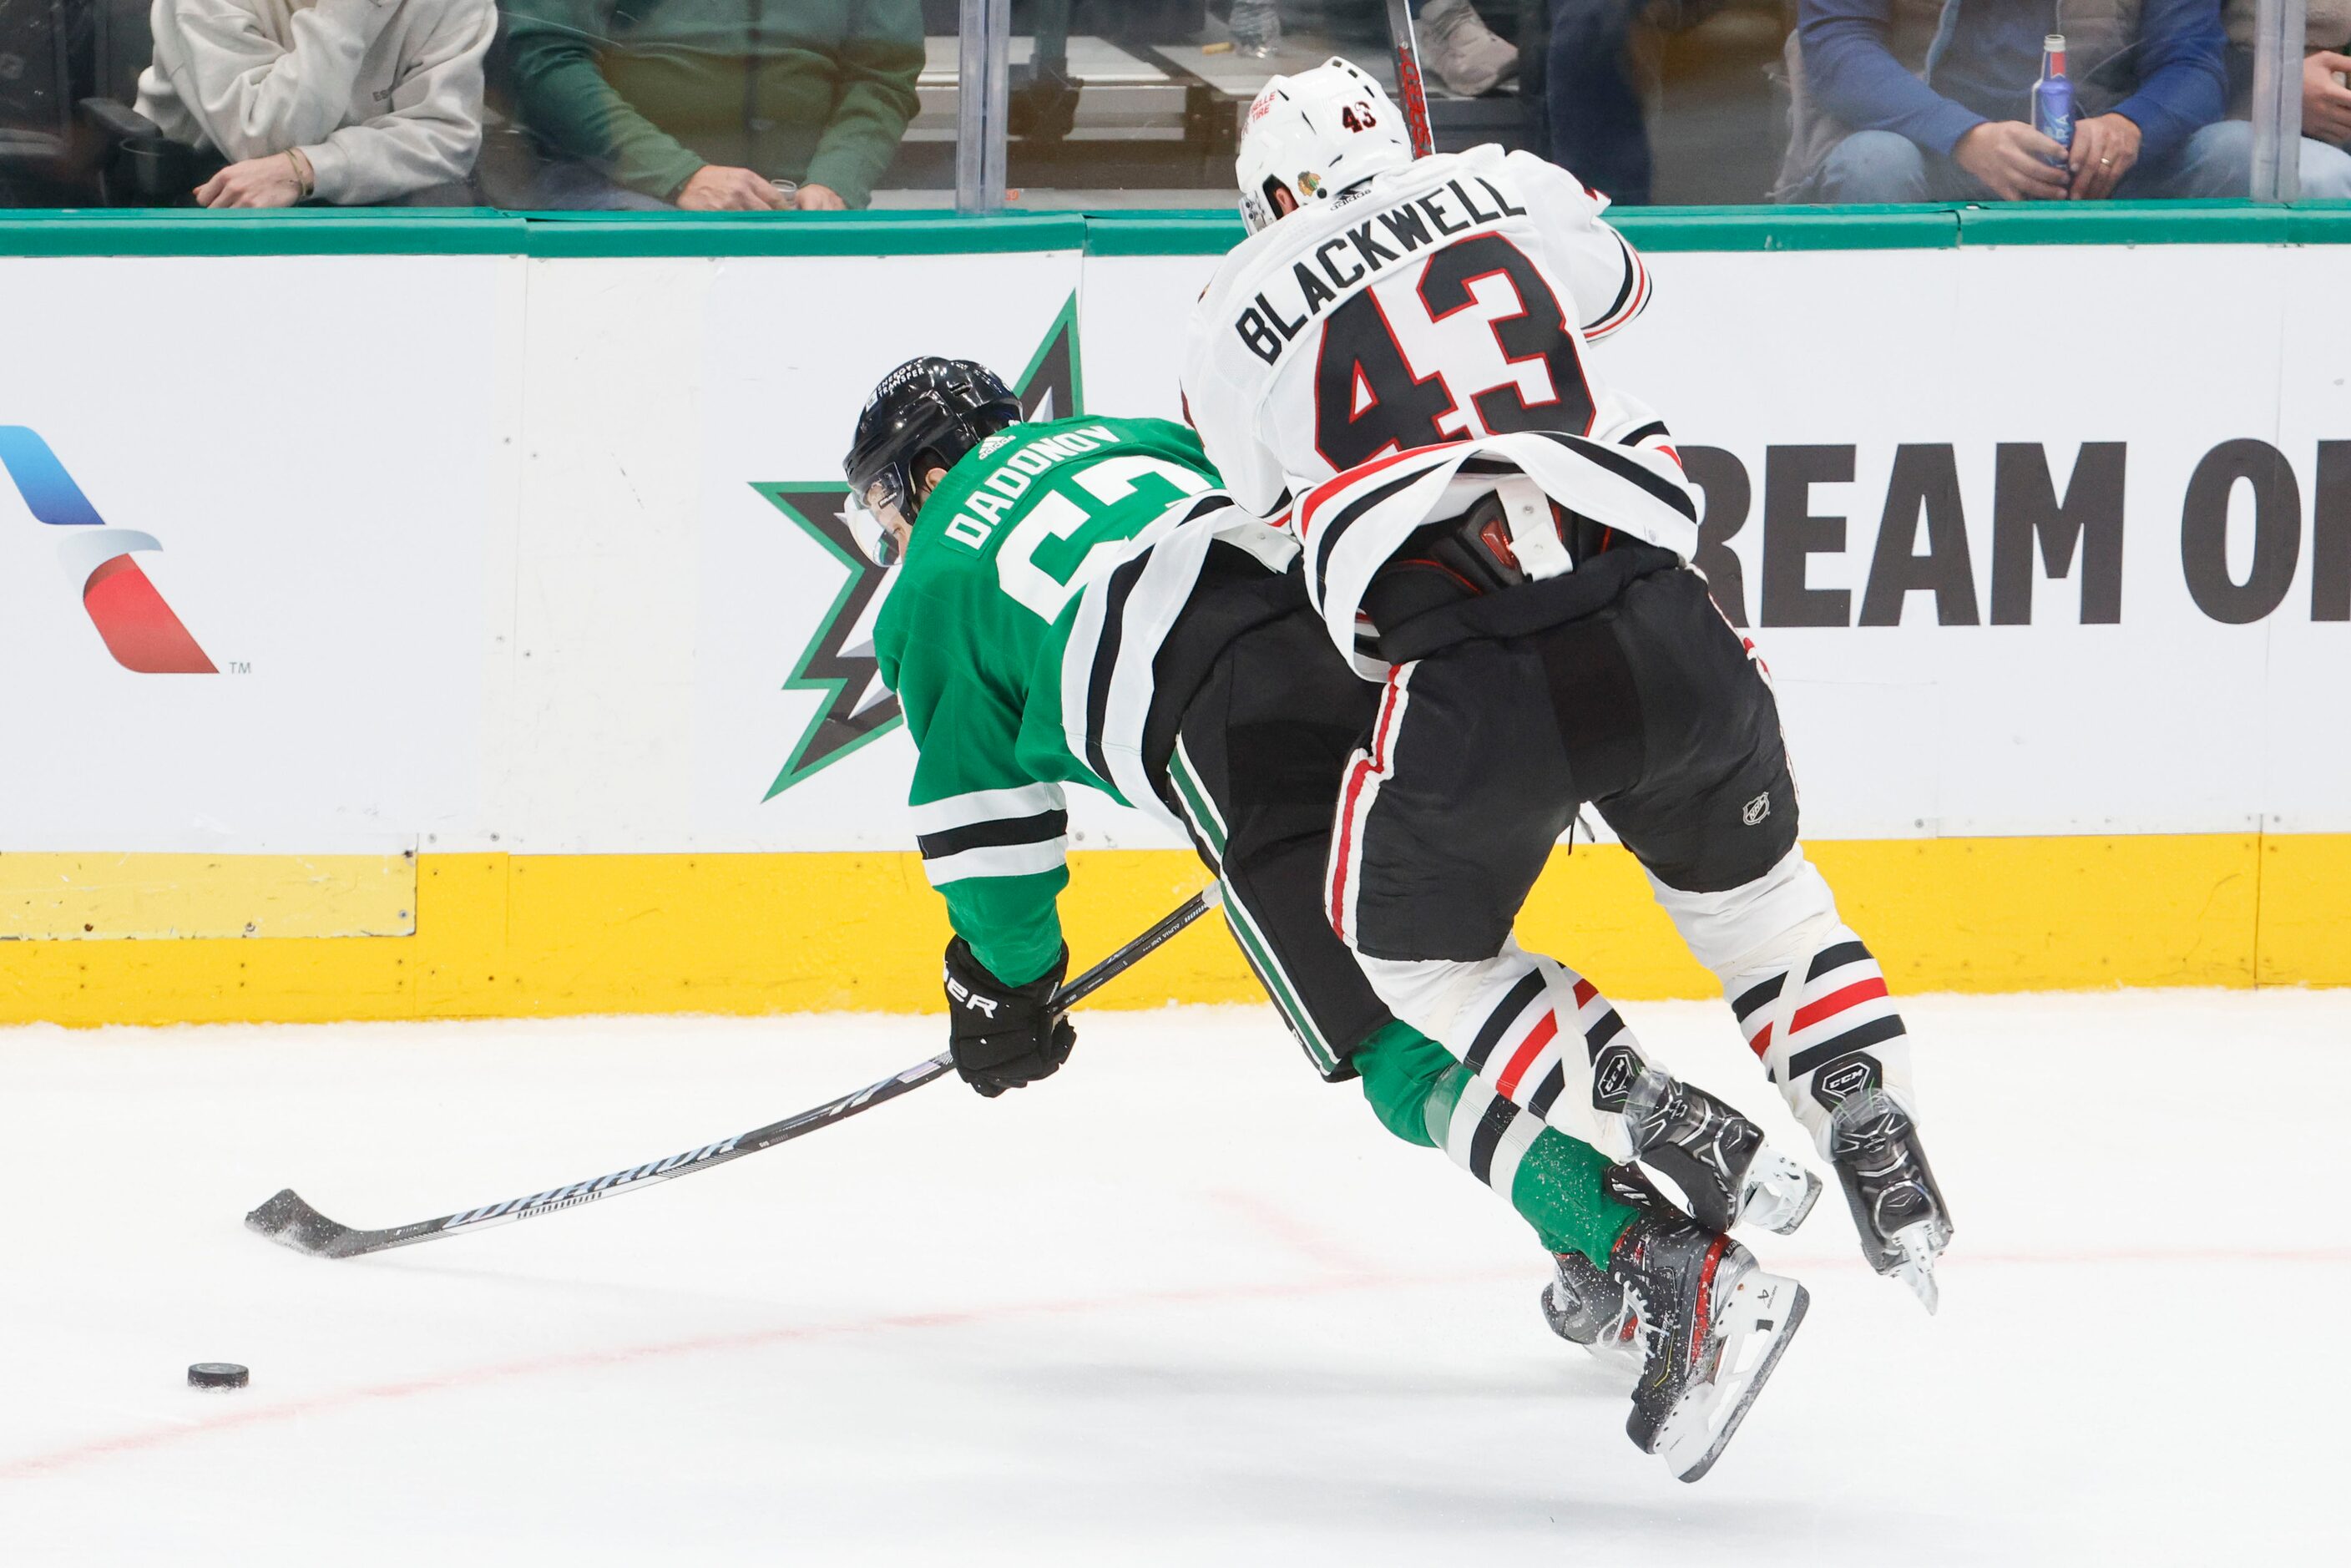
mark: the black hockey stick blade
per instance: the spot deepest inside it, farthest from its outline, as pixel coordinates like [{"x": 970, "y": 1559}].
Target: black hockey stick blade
[{"x": 290, "y": 1221}]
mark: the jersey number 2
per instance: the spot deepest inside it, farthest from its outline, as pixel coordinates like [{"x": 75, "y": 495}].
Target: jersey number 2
[{"x": 1367, "y": 399}]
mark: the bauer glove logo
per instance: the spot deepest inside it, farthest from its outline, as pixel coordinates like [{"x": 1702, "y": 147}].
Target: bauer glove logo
[{"x": 984, "y": 1006}]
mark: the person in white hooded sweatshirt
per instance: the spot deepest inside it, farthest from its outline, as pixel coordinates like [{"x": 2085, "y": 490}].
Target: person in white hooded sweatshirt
[{"x": 354, "y": 102}]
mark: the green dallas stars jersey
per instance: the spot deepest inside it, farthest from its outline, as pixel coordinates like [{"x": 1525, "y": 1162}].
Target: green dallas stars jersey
[
  {"x": 1022, "y": 634},
  {"x": 977, "y": 639}
]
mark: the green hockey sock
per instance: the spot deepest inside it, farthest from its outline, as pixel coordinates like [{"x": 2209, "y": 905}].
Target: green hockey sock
[{"x": 1423, "y": 1095}]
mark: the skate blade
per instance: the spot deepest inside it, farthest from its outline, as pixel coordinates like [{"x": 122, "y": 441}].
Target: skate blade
[
  {"x": 1916, "y": 1249},
  {"x": 1760, "y": 1318},
  {"x": 1780, "y": 1193}
]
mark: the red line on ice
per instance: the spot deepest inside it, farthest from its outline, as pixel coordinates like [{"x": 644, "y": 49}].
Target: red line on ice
[{"x": 468, "y": 1378}]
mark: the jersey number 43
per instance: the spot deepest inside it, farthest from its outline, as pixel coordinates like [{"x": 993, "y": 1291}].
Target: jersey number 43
[{"x": 1519, "y": 369}]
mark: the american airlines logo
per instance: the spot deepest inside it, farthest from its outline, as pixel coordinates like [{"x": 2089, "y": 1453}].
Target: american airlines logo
[{"x": 131, "y": 617}]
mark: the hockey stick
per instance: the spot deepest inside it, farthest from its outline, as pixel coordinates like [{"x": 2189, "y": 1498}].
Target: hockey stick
[
  {"x": 291, "y": 1222},
  {"x": 1409, "y": 87}
]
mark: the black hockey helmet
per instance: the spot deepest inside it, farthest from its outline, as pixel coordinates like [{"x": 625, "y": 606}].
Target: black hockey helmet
[{"x": 925, "y": 414}]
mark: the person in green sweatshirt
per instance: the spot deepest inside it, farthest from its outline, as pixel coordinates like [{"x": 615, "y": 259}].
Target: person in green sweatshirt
[{"x": 712, "y": 105}]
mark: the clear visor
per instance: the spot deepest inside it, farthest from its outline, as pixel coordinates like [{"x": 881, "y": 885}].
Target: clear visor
[
  {"x": 877, "y": 521},
  {"x": 1254, "y": 216}
]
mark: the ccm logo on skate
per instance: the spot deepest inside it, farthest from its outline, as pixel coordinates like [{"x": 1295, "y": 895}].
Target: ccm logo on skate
[
  {"x": 138, "y": 628},
  {"x": 1841, "y": 1080},
  {"x": 1611, "y": 1077}
]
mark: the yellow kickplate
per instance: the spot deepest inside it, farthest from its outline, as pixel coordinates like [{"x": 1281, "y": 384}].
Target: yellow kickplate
[
  {"x": 2305, "y": 936},
  {"x": 63, "y": 897},
  {"x": 499, "y": 935}
]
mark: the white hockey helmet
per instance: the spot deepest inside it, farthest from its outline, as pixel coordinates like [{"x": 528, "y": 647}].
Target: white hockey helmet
[{"x": 1316, "y": 135}]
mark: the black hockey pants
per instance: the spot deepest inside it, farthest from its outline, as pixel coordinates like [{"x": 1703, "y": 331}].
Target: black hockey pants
[
  {"x": 1254, "y": 756},
  {"x": 1653, "y": 709},
  {"x": 1649, "y": 708}
]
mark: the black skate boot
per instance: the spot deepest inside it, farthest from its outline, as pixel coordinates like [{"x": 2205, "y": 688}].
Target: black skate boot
[
  {"x": 1713, "y": 1326},
  {"x": 1584, "y": 1306},
  {"x": 1897, "y": 1207},
  {"x": 1716, "y": 1158}
]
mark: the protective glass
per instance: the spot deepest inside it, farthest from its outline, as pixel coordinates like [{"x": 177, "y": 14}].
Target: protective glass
[
  {"x": 877, "y": 521},
  {"x": 1125, "y": 104}
]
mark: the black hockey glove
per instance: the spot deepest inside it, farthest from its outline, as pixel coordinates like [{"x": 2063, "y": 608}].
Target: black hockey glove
[{"x": 1004, "y": 1036}]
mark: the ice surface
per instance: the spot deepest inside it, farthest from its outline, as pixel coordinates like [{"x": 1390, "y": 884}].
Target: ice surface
[{"x": 1183, "y": 1304}]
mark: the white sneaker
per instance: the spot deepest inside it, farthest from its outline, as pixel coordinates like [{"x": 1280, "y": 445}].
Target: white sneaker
[
  {"x": 1462, "y": 50},
  {"x": 1256, "y": 27}
]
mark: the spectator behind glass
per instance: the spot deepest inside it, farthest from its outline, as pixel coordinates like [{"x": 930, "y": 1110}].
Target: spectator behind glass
[
  {"x": 1456, "y": 46},
  {"x": 1594, "y": 101},
  {"x": 1934, "y": 97},
  {"x": 705, "y": 104},
  {"x": 2326, "y": 101},
  {"x": 355, "y": 102}
]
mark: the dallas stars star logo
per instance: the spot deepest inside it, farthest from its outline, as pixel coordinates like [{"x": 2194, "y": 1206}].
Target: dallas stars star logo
[{"x": 838, "y": 660}]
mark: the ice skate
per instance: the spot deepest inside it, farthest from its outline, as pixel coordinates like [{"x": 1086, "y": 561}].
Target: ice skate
[
  {"x": 1463, "y": 51},
  {"x": 1897, "y": 1207},
  {"x": 1716, "y": 1158},
  {"x": 1713, "y": 1326},
  {"x": 1584, "y": 1306}
]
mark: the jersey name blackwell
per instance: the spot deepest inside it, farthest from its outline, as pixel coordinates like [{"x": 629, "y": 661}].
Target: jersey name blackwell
[
  {"x": 995, "y": 496},
  {"x": 1267, "y": 331}
]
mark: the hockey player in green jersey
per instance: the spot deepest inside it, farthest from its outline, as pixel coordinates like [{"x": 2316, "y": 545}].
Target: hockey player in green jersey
[{"x": 1079, "y": 602}]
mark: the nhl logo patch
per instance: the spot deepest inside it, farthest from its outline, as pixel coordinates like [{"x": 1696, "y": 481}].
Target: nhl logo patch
[{"x": 1757, "y": 809}]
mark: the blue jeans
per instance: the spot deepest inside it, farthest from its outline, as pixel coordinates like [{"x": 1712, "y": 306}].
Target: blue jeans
[
  {"x": 1596, "y": 129},
  {"x": 2218, "y": 161},
  {"x": 2325, "y": 171}
]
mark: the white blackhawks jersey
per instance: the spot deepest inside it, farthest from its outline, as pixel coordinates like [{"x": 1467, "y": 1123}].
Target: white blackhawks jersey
[{"x": 1449, "y": 306}]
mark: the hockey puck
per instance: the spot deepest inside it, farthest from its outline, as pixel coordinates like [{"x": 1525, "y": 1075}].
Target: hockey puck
[{"x": 217, "y": 1374}]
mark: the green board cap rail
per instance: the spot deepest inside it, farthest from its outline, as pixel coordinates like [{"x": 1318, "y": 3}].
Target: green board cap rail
[{"x": 482, "y": 231}]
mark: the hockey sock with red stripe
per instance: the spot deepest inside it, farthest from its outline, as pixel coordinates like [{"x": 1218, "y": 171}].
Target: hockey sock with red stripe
[
  {"x": 1536, "y": 1035},
  {"x": 1824, "y": 1028},
  {"x": 1423, "y": 1094}
]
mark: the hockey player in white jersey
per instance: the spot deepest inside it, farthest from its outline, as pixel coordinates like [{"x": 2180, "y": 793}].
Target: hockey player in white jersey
[{"x": 1397, "y": 358}]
